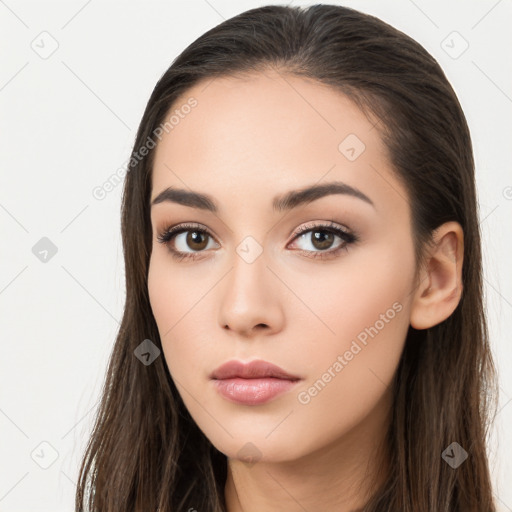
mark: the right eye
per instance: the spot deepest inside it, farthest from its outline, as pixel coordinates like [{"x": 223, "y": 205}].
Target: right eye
[{"x": 179, "y": 238}]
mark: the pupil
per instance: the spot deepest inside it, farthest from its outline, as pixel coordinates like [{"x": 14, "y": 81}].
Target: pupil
[
  {"x": 194, "y": 237},
  {"x": 322, "y": 240}
]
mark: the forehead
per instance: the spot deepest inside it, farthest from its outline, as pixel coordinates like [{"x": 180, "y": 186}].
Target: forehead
[{"x": 267, "y": 132}]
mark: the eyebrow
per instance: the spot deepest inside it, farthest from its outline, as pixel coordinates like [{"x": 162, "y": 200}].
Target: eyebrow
[{"x": 287, "y": 201}]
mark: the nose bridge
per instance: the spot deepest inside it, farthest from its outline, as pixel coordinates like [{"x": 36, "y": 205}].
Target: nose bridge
[{"x": 249, "y": 296}]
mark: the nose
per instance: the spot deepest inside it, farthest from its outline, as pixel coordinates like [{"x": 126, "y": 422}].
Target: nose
[{"x": 251, "y": 299}]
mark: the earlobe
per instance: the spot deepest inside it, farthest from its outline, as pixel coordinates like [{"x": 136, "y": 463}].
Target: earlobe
[{"x": 440, "y": 286}]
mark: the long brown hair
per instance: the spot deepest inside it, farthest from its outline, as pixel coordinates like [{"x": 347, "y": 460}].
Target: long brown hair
[{"x": 146, "y": 453}]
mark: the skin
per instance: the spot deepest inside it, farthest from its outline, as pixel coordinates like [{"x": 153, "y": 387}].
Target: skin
[{"x": 251, "y": 138}]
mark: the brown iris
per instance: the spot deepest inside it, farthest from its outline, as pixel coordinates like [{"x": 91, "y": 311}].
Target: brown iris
[
  {"x": 322, "y": 240},
  {"x": 194, "y": 240}
]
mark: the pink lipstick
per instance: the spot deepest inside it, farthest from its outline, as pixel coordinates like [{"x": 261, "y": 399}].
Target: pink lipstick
[{"x": 252, "y": 383}]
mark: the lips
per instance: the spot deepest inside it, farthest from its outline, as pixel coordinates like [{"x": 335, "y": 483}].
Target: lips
[
  {"x": 254, "y": 383},
  {"x": 253, "y": 370}
]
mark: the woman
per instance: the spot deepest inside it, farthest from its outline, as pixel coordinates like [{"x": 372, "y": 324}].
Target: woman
[{"x": 303, "y": 327}]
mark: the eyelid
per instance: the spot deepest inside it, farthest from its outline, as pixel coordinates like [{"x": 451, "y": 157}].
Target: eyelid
[
  {"x": 321, "y": 225},
  {"x": 179, "y": 228}
]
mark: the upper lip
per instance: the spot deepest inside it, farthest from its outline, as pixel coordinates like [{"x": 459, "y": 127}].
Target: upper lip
[{"x": 251, "y": 370}]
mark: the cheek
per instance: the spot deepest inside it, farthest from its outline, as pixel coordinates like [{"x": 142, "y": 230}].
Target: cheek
[
  {"x": 365, "y": 291},
  {"x": 160, "y": 293},
  {"x": 166, "y": 304},
  {"x": 177, "y": 299},
  {"x": 172, "y": 291},
  {"x": 365, "y": 309}
]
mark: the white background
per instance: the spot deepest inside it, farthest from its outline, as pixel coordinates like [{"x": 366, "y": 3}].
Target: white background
[{"x": 67, "y": 123}]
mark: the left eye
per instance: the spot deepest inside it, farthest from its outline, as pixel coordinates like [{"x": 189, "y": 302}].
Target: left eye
[{"x": 321, "y": 238}]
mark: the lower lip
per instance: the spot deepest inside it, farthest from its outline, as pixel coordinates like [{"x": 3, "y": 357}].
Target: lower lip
[{"x": 253, "y": 391}]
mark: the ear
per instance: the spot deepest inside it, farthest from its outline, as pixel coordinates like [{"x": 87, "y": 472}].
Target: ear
[{"x": 440, "y": 284}]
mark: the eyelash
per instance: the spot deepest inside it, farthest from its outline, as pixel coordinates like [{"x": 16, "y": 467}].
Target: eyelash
[{"x": 348, "y": 238}]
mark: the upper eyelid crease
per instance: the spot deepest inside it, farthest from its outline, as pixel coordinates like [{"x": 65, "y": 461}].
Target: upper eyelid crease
[{"x": 288, "y": 201}]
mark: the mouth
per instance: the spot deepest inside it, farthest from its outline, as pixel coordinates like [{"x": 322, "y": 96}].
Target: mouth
[
  {"x": 254, "y": 391},
  {"x": 257, "y": 369},
  {"x": 253, "y": 383}
]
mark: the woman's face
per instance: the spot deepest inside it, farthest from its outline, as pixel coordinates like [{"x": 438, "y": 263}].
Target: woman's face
[{"x": 329, "y": 306}]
